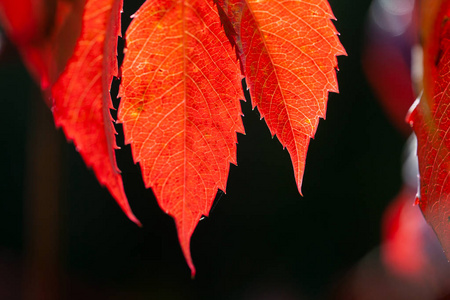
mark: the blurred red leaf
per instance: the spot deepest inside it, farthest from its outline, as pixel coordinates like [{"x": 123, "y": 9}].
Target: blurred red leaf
[
  {"x": 45, "y": 33},
  {"x": 391, "y": 34},
  {"x": 431, "y": 123},
  {"x": 27, "y": 21},
  {"x": 81, "y": 96},
  {"x": 288, "y": 51},
  {"x": 403, "y": 237}
]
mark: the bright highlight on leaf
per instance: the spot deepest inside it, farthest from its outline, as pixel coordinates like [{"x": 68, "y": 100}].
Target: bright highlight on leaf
[{"x": 431, "y": 123}]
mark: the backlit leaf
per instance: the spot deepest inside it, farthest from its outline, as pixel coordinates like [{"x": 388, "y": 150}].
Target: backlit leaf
[
  {"x": 431, "y": 123},
  {"x": 180, "y": 106},
  {"x": 81, "y": 96},
  {"x": 288, "y": 51}
]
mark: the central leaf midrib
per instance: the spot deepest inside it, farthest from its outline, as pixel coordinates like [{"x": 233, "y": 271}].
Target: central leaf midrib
[{"x": 183, "y": 16}]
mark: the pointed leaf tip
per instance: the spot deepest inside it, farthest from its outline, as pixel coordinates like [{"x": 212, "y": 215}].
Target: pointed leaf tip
[
  {"x": 288, "y": 50},
  {"x": 118, "y": 193},
  {"x": 180, "y": 107},
  {"x": 82, "y": 100},
  {"x": 185, "y": 231}
]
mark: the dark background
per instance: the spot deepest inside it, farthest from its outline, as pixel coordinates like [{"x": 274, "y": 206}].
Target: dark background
[{"x": 262, "y": 237}]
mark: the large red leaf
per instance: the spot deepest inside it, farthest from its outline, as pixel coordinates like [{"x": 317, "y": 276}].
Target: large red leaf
[
  {"x": 431, "y": 123},
  {"x": 288, "y": 51},
  {"x": 180, "y": 106},
  {"x": 81, "y": 96}
]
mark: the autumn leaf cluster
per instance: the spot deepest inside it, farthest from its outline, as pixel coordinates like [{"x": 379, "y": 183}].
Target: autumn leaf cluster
[{"x": 181, "y": 89}]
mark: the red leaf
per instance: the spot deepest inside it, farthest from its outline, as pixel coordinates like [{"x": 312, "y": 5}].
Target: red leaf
[
  {"x": 27, "y": 21},
  {"x": 82, "y": 100},
  {"x": 288, "y": 51},
  {"x": 387, "y": 57},
  {"x": 431, "y": 124},
  {"x": 45, "y": 33},
  {"x": 180, "y": 108},
  {"x": 403, "y": 247}
]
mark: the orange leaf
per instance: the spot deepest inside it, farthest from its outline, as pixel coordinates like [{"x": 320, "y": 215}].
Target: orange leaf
[
  {"x": 430, "y": 121},
  {"x": 180, "y": 108},
  {"x": 288, "y": 51},
  {"x": 81, "y": 96}
]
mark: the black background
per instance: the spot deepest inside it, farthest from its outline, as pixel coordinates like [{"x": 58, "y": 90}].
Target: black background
[{"x": 262, "y": 237}]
